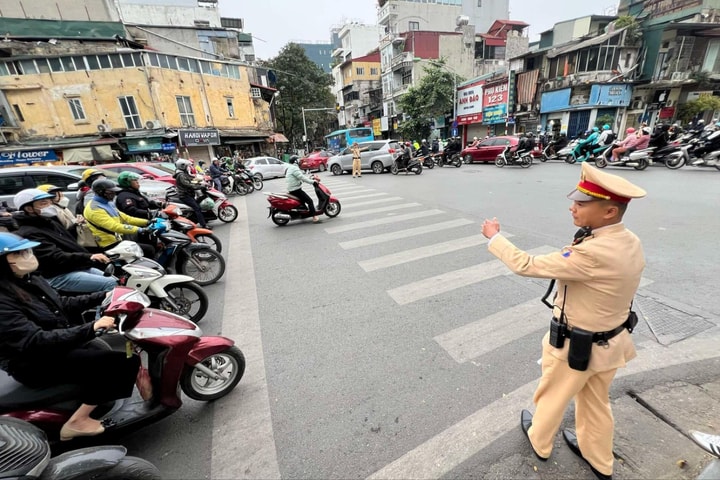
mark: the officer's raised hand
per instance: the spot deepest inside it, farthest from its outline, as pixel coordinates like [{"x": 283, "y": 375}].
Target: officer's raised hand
[{"x": 490, "y": 228}]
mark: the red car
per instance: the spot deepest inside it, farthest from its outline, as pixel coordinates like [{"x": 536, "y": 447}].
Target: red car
[
  {"x": 315, "y": 161},
  {"x": 149, "y": 170},
  {"x": 489, "y": 149}
]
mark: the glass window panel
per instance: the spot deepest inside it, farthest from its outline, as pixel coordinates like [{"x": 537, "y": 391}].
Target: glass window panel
[
  {"x": 4, "y": 69},
  {"x": 104, "y": 61},
  {"x": 79, "y": 63},
  {"x": 164, "y": 61},
  {"x": 92, "y": 62},
  {"x": 127, "y": 60},
  {"x": 137, "y": 59},
  {"x": 205, "y": 67},
  {"x": 154, "y": 60},
  {"x": 68, "y": 64},
  {"x": 172, "y": 62},
  {"x": 27, "y": 67},
  {"x": 55, "y": 65},
  {"x": 194, "y": 67},
  {"x": 183, "y": 64},
  {"x": 116, "y": 61}
]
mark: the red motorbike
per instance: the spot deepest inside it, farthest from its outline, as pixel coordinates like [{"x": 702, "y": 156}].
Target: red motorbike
[
  {"x": 285, "y": 207},
  {"x": 173, "y": 352}
]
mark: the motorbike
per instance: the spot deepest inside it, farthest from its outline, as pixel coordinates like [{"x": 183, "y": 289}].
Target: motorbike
[
  {"x": 639, "y": 159},
  {"x": 427, "y": 161},
  {"x": 679, "y": 157},
  {"x": 246, "y": 183},
  {"x": 214, "y": 205},
  {"x": 454, "y": 159},
  {"x": 521, "y": 157},
  {"x": 179, "y": 294},
  {"x": 173, "y": 352},
  {"x": 26, "y": 454},
  {"x": 412, "y": 165},
  {"x": 565, "y": 152},
  {"x": 285, "y": 207},
  {"x": 711, "y": 159},
  {"x": 552, "y": 150},
  {"x": 591, "y": 152},
  {"x": 227, "y": 182},
  {"x": 190, "y": 228}
]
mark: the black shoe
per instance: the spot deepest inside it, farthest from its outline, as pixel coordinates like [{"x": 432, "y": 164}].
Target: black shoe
[
  {"x": 525, "y": 424},
  {"x": 571, "y": 440}
]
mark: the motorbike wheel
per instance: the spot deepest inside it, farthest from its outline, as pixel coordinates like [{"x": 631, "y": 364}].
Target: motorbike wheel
[
  {"x": 642, "y": 164},
  {"x": 279, "y": 221},
  {"x": 468, "y": 159},
  {"x": 394, "y": 169},
  {"x": 418, "y": 169},
  {"x": 227, "y": 190},
  {"x": 131, "y": 468},
  {"x": 333, "y": 209},
  {"x": 673, "y": 162},
  {"x": 430, "y": 164},
  {"x": 257, "y": 183},
  {"x": 198, "y": 385},
  {"x": 205, "y": 265},
  {"x": 601, "y": 162},
  {"x": 241, "y": 189},
  {"x": 570, "y": 159},
  {"x": 544, "y": 158},
  {"x": 193, "y": 307},
  {"x": 500, "y": 162},
  {"x": 227, "y": 213},
  {"x": 526, "y": 161},
  {"x": 211, "y": 240},
  {"x": 458, "y": 162}
]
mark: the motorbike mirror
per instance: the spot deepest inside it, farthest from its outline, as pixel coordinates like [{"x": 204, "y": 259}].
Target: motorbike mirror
[{"x": 109, "y": 270}]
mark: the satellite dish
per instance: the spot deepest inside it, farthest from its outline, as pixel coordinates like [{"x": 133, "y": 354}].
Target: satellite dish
[{"x": 462, "y": 20}]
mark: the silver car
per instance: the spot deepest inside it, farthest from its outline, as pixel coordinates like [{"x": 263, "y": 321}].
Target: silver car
[
  {"x": 377, "y": 156},
  {"x": 266, "y": 167}
]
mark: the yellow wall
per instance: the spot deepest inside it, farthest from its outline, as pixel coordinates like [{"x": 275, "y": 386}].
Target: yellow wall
[
  {"x": 43, "y": 100},
  {"x": 349, "y": 72}
]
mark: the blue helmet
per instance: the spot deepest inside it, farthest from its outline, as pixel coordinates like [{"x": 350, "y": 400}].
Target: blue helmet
[
  {"x": 596, "y": 129},
  {"x": 9, "y": 242},
  {"x": 606, "y": 127}
]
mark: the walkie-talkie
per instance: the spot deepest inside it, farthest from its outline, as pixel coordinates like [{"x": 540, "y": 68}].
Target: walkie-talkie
[{"x": 558, "y": 327}]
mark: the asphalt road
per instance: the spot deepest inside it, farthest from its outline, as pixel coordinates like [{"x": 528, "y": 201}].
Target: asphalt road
[{"x": 385, "y": 341}]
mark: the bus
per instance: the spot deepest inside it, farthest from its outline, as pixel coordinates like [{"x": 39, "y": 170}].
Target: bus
[{"x": 341, "y": 139}]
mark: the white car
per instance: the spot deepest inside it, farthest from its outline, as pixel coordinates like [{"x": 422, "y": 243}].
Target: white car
[{"x": 266, "y": 167}]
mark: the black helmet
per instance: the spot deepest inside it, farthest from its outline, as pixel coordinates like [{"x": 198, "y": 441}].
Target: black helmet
[
  {"x": 294, "y": 159},
  {"x": 102, "y": 186}
]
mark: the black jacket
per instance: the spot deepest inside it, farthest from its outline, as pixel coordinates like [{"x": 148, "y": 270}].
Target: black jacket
[
  {"x": 134, "y": 203},
  {"x": 184, "y": 184},
  {"x": 44, "y": 326},
  {"x": 58, "y": 251}
]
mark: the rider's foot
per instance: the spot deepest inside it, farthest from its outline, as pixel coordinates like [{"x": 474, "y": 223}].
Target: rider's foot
[
  {"x": 316, "y": 219},
  {"x": 81, "y": 428}
]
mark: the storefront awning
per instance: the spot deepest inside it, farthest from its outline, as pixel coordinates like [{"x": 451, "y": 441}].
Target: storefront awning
[
  {"x": 245, "y": 133},
  {"x": 278, "y": 138},
  {"x": 100, "y": 153}
]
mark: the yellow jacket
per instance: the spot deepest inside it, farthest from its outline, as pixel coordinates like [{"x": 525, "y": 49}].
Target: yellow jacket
[{"x": 101, "y": 213}]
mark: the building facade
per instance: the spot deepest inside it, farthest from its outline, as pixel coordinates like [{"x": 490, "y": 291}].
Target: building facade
[
  {"x": 398, "y": 16},
  {"x": 361, "y": 102},
  {"x": 320, "y": 54}
]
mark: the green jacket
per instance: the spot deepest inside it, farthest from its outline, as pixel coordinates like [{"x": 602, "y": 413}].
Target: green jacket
[{"x": 295, "y": 177}]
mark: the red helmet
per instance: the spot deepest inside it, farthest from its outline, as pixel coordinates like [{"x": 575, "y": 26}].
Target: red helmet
[{"x": 630, "y": 130}]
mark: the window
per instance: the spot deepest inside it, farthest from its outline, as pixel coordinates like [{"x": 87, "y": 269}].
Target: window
[
  {"x": 76, "y": 109},
  {"x": 360, "y": 71},
  {"x": 67, "y": 64},
  {"x": 93, "y": 62},
  {"x": 10, "y": 185},
  {"x": 18, "y": 112},
  {"x": 79, "y": 63},
  {"x": 116, "y": 61},
  {"x": 255, "y": 92},
  {"x": 230, "y": 107},
  {"x": 187, "y": 117},
  {"x": 28, "y": 67},
  {"x": 413, "y": 26},
  {"x": 183, "y": 64},
  {"x": 127, "y": 60},
  {"x": 53, "y": 179},
  {"x": 164, "y": 62},
  {"x": 104, "y": 61},
  {"x": 154, "y": 60},
  {"x": 374, "y": 71},
  {"x": 130, "y": 112}
]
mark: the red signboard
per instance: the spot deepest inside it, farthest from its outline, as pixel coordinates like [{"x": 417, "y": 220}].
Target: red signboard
[
  {"x": 495, "y": 94},
  {"x": 469, "y": 104},
  {"x": 667, "y": 112}
]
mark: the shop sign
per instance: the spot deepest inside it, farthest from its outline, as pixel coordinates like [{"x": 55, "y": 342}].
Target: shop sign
[
  {"x": 196, "y": 137},
  {"x": 377, "y": 127},
  {"x": 469, "y": 105},
  {"x": 27, "y": 156},
  {"x": 143, "y": 145},
  {"x": 495, "y": 98},
  {"x": 169, "y": 147}
]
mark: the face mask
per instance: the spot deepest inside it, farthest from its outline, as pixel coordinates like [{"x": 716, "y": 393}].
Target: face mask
[
  {"x": 64, "y": 202},
  {"x": 24, "y": 264},
  {"x": 49, "y": 212}
]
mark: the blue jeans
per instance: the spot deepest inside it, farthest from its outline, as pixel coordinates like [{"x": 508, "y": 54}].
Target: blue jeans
[{"x": 83, "y": 281}]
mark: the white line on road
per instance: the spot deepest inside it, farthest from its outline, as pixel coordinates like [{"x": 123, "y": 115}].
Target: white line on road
[
  {"x": 371, "y": 211},
  {"x": 445, "y": 451},
  {"x": 360, "y": 197},
  {"x": 242, "y": 420},
  {"x": 349, "y": 188},
  {"x": 399, "y": 235},
  {"x": 423, "y": 252},
  {"x": 354, "y": 204},
  {"x": 445, "y": 282},
  {"x": 384, "y": 221}
]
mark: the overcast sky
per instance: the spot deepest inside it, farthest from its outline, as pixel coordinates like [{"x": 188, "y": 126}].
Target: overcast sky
[{"x": 274, "y": 23}]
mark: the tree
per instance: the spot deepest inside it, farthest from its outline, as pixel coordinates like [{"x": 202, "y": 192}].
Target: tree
[
  {"x": 431, "y": 98},
  {"x": 702, "y": 104},
  {"x": 302, "y": 84}
]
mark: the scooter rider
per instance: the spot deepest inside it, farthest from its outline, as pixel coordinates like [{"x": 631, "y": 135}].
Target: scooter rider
[
  {"x": 406, "y": 155},
  {"x": 586, "y": 145},
  {"x": 435, "y": 148},
  {"x": 712, "y": 143},
  {"x": 186, "y": 188},
  {"x": 130, "y": 201},
  {"x": 295, "y": 179},
  {"x": 606, "y": 137},
  {"x": 44, "y": 341},
  {"x": 424, "y": 149},
  {"x": 216, "y": 173}
]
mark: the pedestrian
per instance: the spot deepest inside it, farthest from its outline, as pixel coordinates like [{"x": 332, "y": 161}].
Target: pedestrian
[
  {"x": 589, "y": 337},
  {"x": 357, "y": 164}
]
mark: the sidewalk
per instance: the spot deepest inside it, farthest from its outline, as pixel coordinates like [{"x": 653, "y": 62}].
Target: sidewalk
[{"x": 652, "y": 439}]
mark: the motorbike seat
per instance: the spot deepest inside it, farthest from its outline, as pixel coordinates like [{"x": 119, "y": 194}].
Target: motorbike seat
[
  {"x": 289, "y": 195},
  {"x": 15, "y": 396}
]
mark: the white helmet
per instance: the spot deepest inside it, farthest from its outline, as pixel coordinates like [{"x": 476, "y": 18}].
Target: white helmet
[{"x": 182, "y": 164}]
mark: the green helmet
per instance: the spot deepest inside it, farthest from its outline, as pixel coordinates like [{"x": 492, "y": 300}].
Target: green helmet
[{"x": 125, "y": 178}]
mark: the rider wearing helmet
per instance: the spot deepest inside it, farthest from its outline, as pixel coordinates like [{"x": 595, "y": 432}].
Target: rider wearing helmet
[
  {"x": 66, "y": 265},
  {"x": 295, "y": 179},
  {"x": 46, "y": 343},
  {"x": 130, "y": 201},
  {"x": 424, "y": 148},
  {"x": 628, "y": 145},
  {"x": 89, "y": 175},
  {"x": 585, "y": 146},
  {"x": 186, "y": 187},
  {"x": 108, "y": 224},
  {"x": 65, "y": 216},
  {"x": 606, "y": 137}
]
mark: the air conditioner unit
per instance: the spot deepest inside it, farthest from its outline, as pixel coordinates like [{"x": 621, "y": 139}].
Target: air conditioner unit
[
  {"x": 638, "y": 105},
  {"x": 548, "y": 85},
  {"x": 103, "y": 128},
  {"x": 669, "y": 103},
  {"x": 153, "y": 124},
  {"x": 677, "y": 76}
]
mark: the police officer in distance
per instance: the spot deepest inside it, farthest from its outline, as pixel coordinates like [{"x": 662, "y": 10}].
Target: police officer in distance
[{"x": 596, "y": 286}]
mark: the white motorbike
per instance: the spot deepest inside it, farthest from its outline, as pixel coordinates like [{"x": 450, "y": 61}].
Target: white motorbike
[
  {"x": 178, "y": 294},
  {"x": 639, "y": 159}
]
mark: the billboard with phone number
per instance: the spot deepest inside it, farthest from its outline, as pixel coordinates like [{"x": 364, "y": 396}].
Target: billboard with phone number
[{"x": 495, "y": 98}]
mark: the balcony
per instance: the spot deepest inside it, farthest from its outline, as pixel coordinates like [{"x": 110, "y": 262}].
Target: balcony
[
  {"x": 403, "y": 60},
  {"x": 486, "y": 66},
  {"x": 385, "y": 13},
  {"x": 400, "y": 89}
]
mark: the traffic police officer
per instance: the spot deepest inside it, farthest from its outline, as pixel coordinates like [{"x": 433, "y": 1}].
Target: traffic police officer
[{"x": 597, "y": 279}]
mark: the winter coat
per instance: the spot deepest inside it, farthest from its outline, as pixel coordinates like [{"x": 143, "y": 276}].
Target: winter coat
[
  {"x": 185, "y": 185},
  {"x": 132, "y": 202},
  {"x": 105, "y": 221}
]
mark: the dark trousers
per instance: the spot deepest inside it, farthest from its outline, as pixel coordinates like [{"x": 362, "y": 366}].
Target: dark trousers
[
  {"x": 305, "y": 198},
  {"x": 192, "y": 203},
  {"x": 103, "y": 375}
]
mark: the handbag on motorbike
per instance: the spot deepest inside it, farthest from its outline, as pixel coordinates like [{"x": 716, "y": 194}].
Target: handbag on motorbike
[{"x": 85, "y": 237}]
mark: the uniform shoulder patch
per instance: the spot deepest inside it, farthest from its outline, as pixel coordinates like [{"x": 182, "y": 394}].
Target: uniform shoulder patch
[{"x": 566, "y": 252}]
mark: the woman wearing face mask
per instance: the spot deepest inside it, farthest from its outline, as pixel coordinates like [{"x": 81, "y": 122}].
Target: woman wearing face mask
[
  {"x": 45, "y": 343},
  {"x": 66, "y": 265},
  {"x": 64, "y": 215}
]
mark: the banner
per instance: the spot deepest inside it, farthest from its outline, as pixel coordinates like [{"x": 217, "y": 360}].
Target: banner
[
  {"x": 192, "y": 137},
  {"x": 469, "y": 106},
  {"x": 495, "y": 98},
  {"x": 27, "y": 156}
]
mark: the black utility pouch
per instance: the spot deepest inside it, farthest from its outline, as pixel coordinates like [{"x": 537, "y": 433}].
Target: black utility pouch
[
  {"x": 631, "y": 321},
  {"x": 581, "y": 342},
  {"x": 558, "y": 331}
]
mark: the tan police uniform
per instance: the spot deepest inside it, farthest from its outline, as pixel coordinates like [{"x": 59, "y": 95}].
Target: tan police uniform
[
  {"x": 356, "y": 164},
  {"x": 602, "y": 275}
]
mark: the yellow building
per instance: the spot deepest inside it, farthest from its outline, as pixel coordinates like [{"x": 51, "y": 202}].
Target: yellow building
[
  {"x": 137, "y": 101},
  {"x": 361, "y": 90}
]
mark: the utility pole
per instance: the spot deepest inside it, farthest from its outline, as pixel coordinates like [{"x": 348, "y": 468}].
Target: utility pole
[{"x": 305, "y": 139}]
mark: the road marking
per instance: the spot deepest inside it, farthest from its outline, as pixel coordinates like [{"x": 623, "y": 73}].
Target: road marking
[
  {"x": 476, "y": 339},
  {"x": 348, "y": 188},
  {"x": 242, "y": 420},
  {"x": 359, "y": 197},
  {"x": 371, "y": 211},
  {"x": 354, "y": 204},
  {"x": 445, "y": 451},
  {"x": 384, "y": 221},
  {"x": 399, "y": 235},
  {"x": 445, "y": 282},
  {"x": 354, "y": 192},
  {"x": 406, "y": 256}
]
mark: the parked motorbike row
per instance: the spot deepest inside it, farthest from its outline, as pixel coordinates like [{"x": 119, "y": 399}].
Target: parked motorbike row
[{"x": 238, "y": 180}]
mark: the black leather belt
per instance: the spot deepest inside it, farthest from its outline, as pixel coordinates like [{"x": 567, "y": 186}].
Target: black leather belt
[{"x": 601, "y": 338}]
